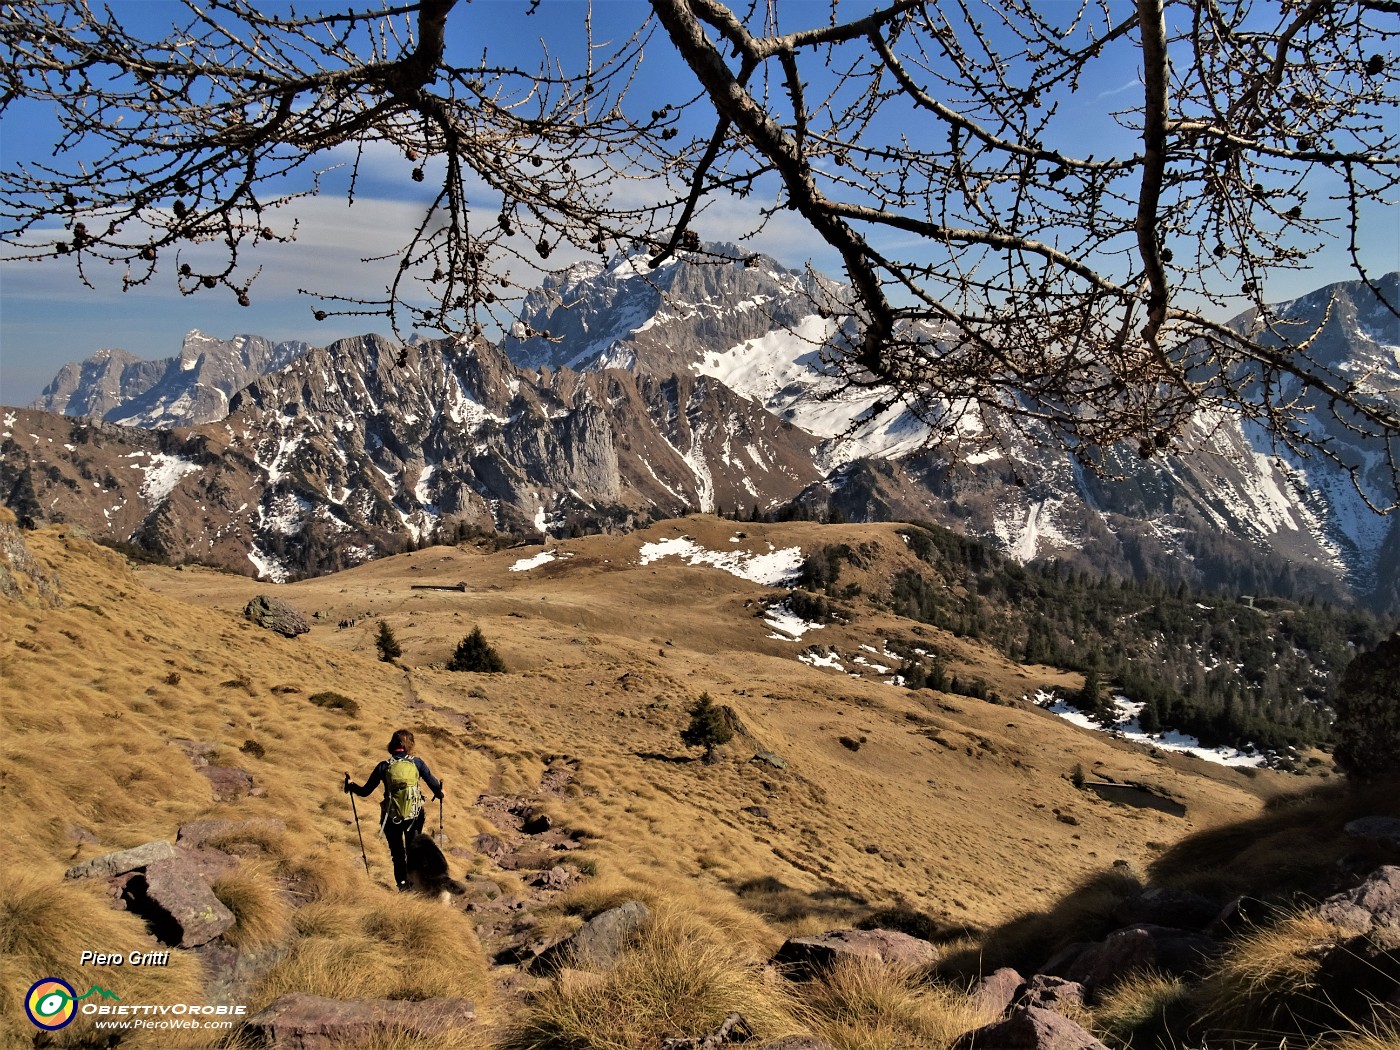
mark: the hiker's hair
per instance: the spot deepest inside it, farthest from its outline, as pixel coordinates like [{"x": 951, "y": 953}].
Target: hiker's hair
[{"x": 402, "y": 740}]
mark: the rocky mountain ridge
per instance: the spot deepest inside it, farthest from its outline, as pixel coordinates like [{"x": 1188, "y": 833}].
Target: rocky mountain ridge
[
  {"x": 363, "y": 447},
  {"x": 710, "y": 372},
  {"x": 190, "y": 388}
]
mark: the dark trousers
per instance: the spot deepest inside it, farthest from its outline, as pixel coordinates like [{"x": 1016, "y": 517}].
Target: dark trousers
[{"x": 399, "y": 836}]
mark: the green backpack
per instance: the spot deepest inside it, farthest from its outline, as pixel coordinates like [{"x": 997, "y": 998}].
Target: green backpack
[{"x": 403, "y": 800}]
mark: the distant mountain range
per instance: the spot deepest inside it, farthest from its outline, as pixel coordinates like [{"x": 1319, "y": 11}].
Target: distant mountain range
[{"x": 624, "y": 394}]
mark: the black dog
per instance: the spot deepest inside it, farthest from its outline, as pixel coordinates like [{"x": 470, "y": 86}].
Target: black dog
[{"x": 427, "y": 870}]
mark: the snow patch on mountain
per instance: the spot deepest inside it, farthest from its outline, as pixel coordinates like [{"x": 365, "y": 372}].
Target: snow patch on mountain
[{"x": 163, "y": 473}]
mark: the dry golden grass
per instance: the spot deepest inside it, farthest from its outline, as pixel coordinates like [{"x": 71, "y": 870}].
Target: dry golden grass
[
  {"x": 1385, "y": 1036},
  {"x": 261, "y": 910},
  {"x": 401, "y": 947},
  {"x": 1266, "y": 982},
  {"x": 867, "y": 1005},
  {"x": 682, "y": 978},
  {"x": 135, "y": 661},
  {"x": 1140, "y": 1011},
  {"x": 44, "y": 928}
]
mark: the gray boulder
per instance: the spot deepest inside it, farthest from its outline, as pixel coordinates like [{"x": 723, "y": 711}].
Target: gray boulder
[
  {"x": 1030, "y": 1028},
  {"x": 122, "y": 861},
  {"x": 1100, "y": 966},
  {"x": 313, "y": 1022},
  {"x": 996, "y": 992},
  {"x": 599, "y": 944},
  {"x": 1052, "y": 993},
  {"x": 799, "y": 1042},
  {"x": 1373, "y": 904},
  {"x": 805, "y": 956},
  {"x": 178, "y": 904},
  {"x": 276, "y": 615}
]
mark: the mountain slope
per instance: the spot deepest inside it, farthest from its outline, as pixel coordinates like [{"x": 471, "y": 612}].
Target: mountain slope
[{"x": 1222, "y": 507}]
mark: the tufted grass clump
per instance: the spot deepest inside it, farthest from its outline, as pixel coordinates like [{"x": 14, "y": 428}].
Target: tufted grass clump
[
  {"x": 682, "y": 978},
  {"x": 336, "y": 701},
  {"x": 1146, "y": 1009},
  {"x": 261, "y": 910},
  {"x": 867, "y": 1004},
  {"x": 401, "y": 947},
  {"x": 1268, "y": 980},
  {"x": 46, "y": 924}
]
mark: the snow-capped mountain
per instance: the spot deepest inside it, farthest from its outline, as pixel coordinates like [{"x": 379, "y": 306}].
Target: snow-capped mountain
[
  {"x": 356, "y": 449},
  {"x": 703, "y": 383},
  {"x": 1226, "y": 508},
  {"x": 192, "y": 387}
]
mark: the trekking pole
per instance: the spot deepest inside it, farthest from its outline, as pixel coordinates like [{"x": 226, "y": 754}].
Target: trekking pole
[
  {"x": 440, "y": 838},
  {"x": 357, "y": 826}
]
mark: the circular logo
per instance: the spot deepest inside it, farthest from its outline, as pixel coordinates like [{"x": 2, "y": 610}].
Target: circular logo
[{"x": 51, "y": 1004}]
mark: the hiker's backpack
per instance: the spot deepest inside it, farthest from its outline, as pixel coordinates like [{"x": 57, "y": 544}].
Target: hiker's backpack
[{"x": 403, "y": 800}]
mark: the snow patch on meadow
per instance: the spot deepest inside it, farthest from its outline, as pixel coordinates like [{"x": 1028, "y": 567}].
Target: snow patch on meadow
[
  {"x": 1128, "y": 727},
  {"x": 772, "y": 569}
]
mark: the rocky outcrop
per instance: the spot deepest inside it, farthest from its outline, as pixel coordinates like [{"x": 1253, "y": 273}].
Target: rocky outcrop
[
  {"x": 122, "y": 861},
  {"x": 807, "y": 956},
  {"x": 313, "y": 1022},
  {"x": 1100, "y": 966},
  {"x": 1030, "y": 1028},
  {"x": 276, "y": 615},
  {"x": 599, "y": 944},
  {"x": 169, "y": 886},
  {"x": 191, "y": 388},
  {"x": 1375, "y": 904},
  {"x": 178, "y": 904}
]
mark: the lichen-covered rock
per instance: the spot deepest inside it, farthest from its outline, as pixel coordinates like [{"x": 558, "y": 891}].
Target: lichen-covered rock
[
  {"x": 600, "y": 942},
  {"x": 276, "y": 615},
  {"x": 1375, "y": 903},
  {"x": 996, "y": 992},
  {"x": 122, "y": 861},
  {"x": 178, "y": 904}
]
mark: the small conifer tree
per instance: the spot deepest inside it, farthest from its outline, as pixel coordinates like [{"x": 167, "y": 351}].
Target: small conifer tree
[
  {"x": 387, "y": 644},
  {"x": 1367, "y": 727},
  {"x": 475, "y": 653},
  {"x": 708, "y": 727}
]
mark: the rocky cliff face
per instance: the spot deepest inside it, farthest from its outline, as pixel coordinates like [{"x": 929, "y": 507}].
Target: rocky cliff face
[
  {"x": 356, "y": 449},
  {"x": 191, "y": 388},
  {"x": 1226, "y": 509}
]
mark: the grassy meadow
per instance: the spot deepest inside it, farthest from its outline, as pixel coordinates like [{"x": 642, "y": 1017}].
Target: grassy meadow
[{"x": 952, "y": 816}]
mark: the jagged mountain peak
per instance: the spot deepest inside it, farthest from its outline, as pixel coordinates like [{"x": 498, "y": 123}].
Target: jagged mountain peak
[
  {"x": 190, "y": 388},
  {"x": 622, "y": 313}
]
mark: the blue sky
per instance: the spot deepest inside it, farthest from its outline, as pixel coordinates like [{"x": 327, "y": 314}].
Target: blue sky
[{"x": 47, "y": 317}]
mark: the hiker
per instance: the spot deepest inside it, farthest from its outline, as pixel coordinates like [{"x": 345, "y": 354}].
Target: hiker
[{"x": 401, "y": 812}]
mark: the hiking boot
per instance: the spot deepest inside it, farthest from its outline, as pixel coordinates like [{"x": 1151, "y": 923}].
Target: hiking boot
[{"x": 404, "y": 887}]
